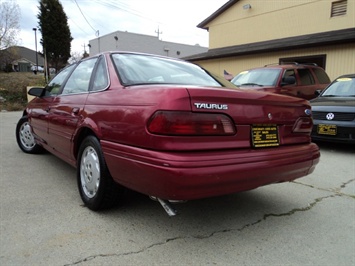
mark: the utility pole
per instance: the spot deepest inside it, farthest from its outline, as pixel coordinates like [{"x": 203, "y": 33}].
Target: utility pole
[
  {"x": 36, "y": 69},
  {"x": 158, "y": 32}
]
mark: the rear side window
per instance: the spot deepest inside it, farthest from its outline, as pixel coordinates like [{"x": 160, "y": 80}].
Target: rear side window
[
  {"x": 305, "y": 76},
  {"x": 321, "y": 76},
  {"x": 101, "y": 77}
]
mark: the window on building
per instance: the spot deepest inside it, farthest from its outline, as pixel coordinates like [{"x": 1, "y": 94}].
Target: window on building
[
  {"x": 319, "y": 60},
  {"x": 339, "y": 8}
]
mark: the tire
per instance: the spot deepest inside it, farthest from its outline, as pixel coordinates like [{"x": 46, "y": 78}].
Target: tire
[
  {"x": 96, "y": 187},
  {"x": 25, "y": 138}
]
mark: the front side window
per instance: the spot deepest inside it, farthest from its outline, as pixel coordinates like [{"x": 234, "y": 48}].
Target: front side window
[
  {"x": 306, "y": 77},
  {"x": 54, "y": 87},
  {"x": 143, "y": 69},
  {"x": 79, "y": 80},
  {"x": 289, "y": 73}
]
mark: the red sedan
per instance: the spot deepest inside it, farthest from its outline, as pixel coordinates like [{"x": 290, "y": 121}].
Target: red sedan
[{"x": 166, "y": 128}]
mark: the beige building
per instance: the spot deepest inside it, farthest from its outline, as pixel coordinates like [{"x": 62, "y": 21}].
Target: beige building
[{"x": 251, "y": 33}]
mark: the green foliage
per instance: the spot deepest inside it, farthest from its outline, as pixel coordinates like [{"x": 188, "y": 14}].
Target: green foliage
[
  {"x": 13, "y": 88},
  {"x": 56, "y": 36},
  {"x": 8, "y": 68}
]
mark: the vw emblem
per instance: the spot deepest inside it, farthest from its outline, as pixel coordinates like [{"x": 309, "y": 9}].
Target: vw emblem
[
  {"x": 330, "y": 116},
  {"x": 269, "y": 116}
]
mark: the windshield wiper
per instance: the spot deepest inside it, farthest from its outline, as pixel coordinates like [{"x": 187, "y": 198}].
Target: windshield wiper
[{"x": 251, "y": 84}]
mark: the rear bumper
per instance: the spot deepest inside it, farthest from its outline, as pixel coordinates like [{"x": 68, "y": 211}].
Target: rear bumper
[{"x": 185, "y": 176}]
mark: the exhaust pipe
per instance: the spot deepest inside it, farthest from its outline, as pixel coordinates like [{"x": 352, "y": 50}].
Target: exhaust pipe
[{"x": 169, "y": 209}]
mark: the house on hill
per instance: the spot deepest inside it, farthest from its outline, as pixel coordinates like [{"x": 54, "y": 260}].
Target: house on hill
[
  {"x": 251, "y": 33},
  {"x": 19, "y": 59}
]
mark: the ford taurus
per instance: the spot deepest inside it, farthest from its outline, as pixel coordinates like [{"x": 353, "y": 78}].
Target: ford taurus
[{"x": 165, "y": 128}]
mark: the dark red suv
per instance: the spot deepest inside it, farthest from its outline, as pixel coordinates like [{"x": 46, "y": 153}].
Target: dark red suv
[{"x": 293, "y": 79}]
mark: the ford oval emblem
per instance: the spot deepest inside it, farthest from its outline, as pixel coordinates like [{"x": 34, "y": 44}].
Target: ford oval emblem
[{"x": 308, "y": 111}]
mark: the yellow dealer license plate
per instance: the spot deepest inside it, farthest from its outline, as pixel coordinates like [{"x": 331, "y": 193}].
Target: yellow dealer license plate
[
  {"x": 265, "y": 136},
  {"x": 327, "y": 129}
]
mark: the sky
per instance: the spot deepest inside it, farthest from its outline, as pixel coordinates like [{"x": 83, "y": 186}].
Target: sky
[{"x": 175, "y": 20}]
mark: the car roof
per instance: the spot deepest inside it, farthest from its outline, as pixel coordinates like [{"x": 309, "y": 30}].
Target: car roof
[
  {"x": 292, "y": 65},
  {"x": 346, "y": 76}
]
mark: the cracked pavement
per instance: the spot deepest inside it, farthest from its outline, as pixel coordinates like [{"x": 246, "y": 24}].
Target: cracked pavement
[{"x": 309, "y": 221}]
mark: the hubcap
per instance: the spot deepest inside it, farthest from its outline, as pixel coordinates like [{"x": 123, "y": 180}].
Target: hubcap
[
  {"x": 26, "y": 137},
  {"x": 90, "y": 172}
]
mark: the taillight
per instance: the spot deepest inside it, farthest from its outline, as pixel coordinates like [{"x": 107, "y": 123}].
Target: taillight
[
  {"x": 188, "y": 123},
  {"x": 303, "y": 125}
]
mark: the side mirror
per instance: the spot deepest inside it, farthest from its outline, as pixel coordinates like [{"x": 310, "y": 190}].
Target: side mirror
[
  {"x": 38, "y": 92},
  {"x": 317, "y": 92},
  {"x": 288, "y": 80}
]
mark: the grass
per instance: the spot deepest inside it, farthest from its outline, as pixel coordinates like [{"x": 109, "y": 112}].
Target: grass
[{"x": 13, "y": 89}]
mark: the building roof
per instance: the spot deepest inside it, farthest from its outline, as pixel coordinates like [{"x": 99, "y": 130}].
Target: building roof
[
  {"x": 219, "y": 11},
  {"x": 26, "y": 54},
  {"x": 305, "y": 41},
  {"x": 135, "y": 42}
]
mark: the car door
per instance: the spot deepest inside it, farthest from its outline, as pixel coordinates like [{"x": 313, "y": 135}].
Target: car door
[
  {"x": 66, "y": 110},
  {"x": 40, "y": 106}
]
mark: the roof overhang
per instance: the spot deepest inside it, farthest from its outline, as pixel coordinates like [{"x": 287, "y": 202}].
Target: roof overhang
[
  {"x": 203, "y": 24},
  {"x": 305, "y": 41}
]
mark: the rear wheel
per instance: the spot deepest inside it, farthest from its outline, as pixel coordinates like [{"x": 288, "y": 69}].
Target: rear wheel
[
  {"x": 25, "y": 138},
  {"x": 96, "y": 186}
]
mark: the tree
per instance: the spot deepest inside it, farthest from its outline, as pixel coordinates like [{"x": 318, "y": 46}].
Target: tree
[
  {"x": 75, "y": 57},
  {"x": 9, "y": 28},
  {"x": 9, "y": 23},
  {"x": 56, "y": 36}
]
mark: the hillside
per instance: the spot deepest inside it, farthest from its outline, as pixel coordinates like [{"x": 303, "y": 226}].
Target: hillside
[{"x": 13, "y": 89}]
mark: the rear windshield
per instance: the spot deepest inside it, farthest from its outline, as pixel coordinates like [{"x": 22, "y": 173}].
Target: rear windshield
[
  {"x": 136, "y": 69},
  {"x": 260, "y": 77}
]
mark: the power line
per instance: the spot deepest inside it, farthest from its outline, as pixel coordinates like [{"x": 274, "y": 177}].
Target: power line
[
  {"x": 124, "y": 7},
  {"x": 96, "y": 31}
]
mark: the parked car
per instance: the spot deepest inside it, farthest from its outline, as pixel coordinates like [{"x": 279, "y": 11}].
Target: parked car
[
  {"x": 298, "y": 80},
  {"x": 334, "y": 111},
  {"x": 165, "y": 128},
  {"x": 37, "y": 68}
]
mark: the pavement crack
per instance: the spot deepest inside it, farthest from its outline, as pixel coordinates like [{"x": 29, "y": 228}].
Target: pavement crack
[
  {"x": 333, "y": 190},
  {"x": 124, "y": 253},
  {"x": 291, "y": 212},
  {"x": 264, "y": 218}
]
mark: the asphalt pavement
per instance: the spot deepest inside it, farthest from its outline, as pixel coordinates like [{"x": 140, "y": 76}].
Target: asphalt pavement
[{"x": 310, "y": 221}]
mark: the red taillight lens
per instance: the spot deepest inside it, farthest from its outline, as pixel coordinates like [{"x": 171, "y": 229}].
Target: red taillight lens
[
  {"x": 303, "y": 125},
  {"x": 188, "y": 123}
]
